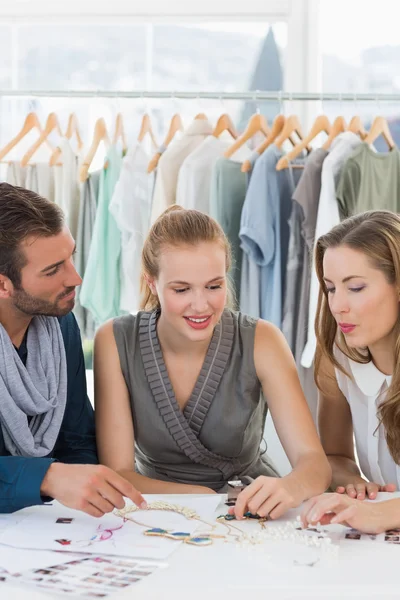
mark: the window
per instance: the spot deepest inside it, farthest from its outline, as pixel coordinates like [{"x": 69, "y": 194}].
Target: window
[
  {"x": 227, "y": 56},
  {"x": 361, "y": 55},
  {"x": 6, "y": 57}
]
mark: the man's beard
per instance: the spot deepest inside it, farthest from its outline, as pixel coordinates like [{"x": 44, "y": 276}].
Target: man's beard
[{"x": 32, "y": 306}]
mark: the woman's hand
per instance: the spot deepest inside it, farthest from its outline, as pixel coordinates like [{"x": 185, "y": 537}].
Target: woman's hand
[
  {"x": 339, "y": 508},
  {"x": 359, "y": 488},
  {"x": 268, "y": 496}
]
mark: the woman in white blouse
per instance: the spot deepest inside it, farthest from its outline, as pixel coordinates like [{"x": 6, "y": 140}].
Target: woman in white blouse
[{"x": 357, "y": 369}]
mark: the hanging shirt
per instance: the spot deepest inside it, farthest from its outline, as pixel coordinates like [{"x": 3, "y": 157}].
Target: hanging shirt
[
  {"x": 131, "y": 206},
  {"x": 294, "y": 277},
  {"x": 264, "y": 229},
  {"x": 364, "y": 392},
  {"x": 89, "y": 191},
  {"x": 250, "y": 276},
  {"x": 40, "y": 179},
  {"x": 15, "y": 174},
  {"x": 100, "y": 291},
  {"x": 172, "y": 160},
  {"x": 328, "y": 216},
  {"x": 67, "y": 194},
  {"x": 306, "y": 196},
  {"x": 227, "y": 194},
  {"x": 195, "y": 174},
  {"x": 369, "y": 181}
]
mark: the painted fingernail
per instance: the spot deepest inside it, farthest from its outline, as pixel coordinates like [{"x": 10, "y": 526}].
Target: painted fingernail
[{"x": 143, "y": 506}]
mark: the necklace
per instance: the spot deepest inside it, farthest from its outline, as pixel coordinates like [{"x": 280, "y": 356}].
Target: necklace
[
  {"x": 290, "y": 531},
  {"x": 203, "y": 539}
]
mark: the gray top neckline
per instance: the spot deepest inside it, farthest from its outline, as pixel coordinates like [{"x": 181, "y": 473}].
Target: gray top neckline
[{"x": 185, "y": 426}]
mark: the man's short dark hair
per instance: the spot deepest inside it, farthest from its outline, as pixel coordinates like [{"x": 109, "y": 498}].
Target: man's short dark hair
[{"x": 23, "y": 214}]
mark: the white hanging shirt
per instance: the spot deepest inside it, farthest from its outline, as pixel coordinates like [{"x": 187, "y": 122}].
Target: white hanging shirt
[
  {"x": 328, "y": 216},
  {"x": 66, "y": 181},
  {"x": 131, "y": 205},
  {"x": 16, "y": 175},
  {"x": 172, "y": 160},
  {"x": 364, "y": 393},
  {"x": 194, "y": 180},
  {"x": 40, "y": 179}
]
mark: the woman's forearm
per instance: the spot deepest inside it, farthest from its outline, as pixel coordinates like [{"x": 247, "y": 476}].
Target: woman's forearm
[
  {"x": 344, "y": 471},
  {"x": 311, "y": 475},
  {"x": 146, "y": 485}
]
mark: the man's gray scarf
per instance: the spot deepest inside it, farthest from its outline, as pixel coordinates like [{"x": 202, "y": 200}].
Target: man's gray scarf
[{"x": 38, "y": 390}]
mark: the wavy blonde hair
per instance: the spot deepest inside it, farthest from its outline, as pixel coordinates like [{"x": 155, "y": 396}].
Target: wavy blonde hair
[
  {"x": 176, "y": 227},
  {"x": 377, "y": 235}
]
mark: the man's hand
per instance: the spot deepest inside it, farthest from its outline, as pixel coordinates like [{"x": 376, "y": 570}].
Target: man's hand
[{"x": 94, "y": 489}]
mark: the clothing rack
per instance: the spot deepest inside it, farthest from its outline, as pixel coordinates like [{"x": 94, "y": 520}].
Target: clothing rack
[{"x": 254, "y": 96}]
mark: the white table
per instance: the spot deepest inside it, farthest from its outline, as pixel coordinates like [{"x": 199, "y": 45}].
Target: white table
[{"x": 228, "y": 572}]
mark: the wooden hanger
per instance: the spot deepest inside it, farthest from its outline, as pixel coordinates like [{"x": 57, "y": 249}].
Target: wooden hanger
[
  {"x": 119, "y": 132},
  {"x": 175, "y": 126},
  {"x": 339, "y": 126},
  {"x": 357, "y": 127},
  {"x": 276, "y": 129},
  {"x": 225, "y": 123},
  {"x": 321, "y": 124},
  {"x": 52, "y": 124},
  {"x": 380, "y": 127},
  {"x": 292, "y": 125},
  {"x": 256, "y": 123},
  {"x": 72, "y": 128},
  {"x": 100, "y": 135},
  {"x": 146, "y": 128},
  {"x": 31, "y": 121}
]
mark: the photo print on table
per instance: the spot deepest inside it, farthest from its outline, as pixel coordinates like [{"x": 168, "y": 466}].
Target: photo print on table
[
  {"x": 64, "y": 520},
  {"x": 90, "y": 577}
]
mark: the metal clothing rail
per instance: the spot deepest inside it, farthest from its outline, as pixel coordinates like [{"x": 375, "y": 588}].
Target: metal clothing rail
[{"x": 254, "y": 96}]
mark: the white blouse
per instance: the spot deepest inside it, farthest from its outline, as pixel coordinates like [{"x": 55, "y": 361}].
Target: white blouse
[{"x": 364, "y": 392}]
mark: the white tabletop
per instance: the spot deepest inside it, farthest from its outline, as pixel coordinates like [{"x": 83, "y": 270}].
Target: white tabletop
[{"x": 225, "y": 570}]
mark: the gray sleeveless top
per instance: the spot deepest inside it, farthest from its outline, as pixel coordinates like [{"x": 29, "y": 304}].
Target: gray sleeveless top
[{"x": 217, "y": 436}]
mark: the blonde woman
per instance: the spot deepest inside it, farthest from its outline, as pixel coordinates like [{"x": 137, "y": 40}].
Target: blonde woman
[
  {"x": 357, "y": 367},
  {"x": 178, "y": 386}
]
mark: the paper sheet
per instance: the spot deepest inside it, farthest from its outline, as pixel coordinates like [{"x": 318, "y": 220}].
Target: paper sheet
[
  {"x": 59, "y": 528},
  {"x": 90, "y": 577}
]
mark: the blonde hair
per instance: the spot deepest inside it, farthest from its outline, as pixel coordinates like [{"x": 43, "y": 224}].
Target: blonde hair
[
  {"x": 377, "y": 235},
  {"x": 176, "y": 227}
]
